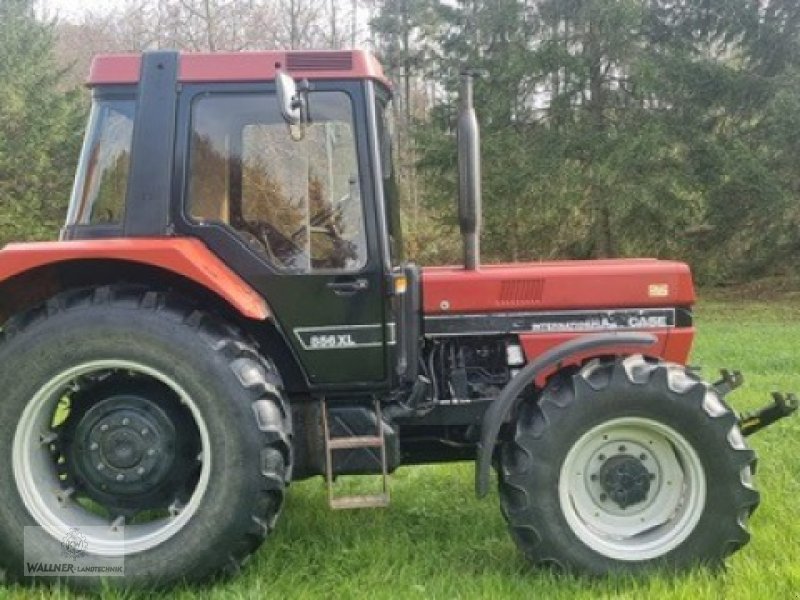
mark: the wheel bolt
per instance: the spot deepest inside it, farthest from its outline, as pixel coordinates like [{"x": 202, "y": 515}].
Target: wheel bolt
[
  {"x": 622, "y": 448},
  {"x": 100, "y": 466},
  {"x": 601, "y": 457},
  {"x": 652, "y": 475},
  {"x": 151, "y": 452},
  {"x": 104, "y": 427},
  {"x": 140, "y": 470},
  {"x": 145, "y": 431},
  {"x": 93, "y": 446},
  {"x": 603, "y": 497},
  {"x": 593, "y": 477},
  {"x": 126, "y": 421},
  {"x": 643, "y": 457},
  {"x": 120, "y": 477}
]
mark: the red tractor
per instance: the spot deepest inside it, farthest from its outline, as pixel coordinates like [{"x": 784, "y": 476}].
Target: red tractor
[{"x": 229, "y": 310}]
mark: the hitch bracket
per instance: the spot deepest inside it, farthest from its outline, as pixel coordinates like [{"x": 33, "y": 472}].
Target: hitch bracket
[
  {"x": 729, "y": 381},
  {"x": 782, "y": 406}
]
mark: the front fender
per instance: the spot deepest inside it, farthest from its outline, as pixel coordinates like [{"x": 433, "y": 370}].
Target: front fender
[{"x": 500, "y": 409}]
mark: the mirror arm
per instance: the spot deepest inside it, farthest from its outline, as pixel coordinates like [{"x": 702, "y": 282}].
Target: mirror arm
[{"x": 300, "y": 101}]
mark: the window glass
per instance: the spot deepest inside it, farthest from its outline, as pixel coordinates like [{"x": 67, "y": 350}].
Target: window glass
[
  {"x": 292, "y": 194},
  {"x": 390, "y": 192},
  {"x": 102, "y": 180}
]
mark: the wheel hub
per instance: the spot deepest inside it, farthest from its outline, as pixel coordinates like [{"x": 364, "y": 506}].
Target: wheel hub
[
  {"x": 125, "y": 448},
  {"x": 625, "y": 480},
  {"x": 632, "y": 488}
]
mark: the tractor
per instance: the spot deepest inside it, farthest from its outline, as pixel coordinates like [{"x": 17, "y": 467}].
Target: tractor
[{"x": 228, "y": 309}]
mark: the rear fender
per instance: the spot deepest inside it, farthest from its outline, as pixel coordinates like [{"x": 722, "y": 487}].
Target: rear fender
[
  {"x": 566, "y": 353},
  {"x": 186, "y": 257}
]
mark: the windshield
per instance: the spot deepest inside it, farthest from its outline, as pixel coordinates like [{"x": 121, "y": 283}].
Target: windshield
[
  {"x": 292, "y": 194},
  {"x": 390, "y": 192}
]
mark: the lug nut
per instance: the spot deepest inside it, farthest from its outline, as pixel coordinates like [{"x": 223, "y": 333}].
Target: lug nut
[
  {"x": 104, "y": 427},
  {"x": 643, "y": 457},
  {"x": 603, "y": 497},
  {"x": 622, "y": 448},
  {"x": 120, "y": 477},
  {"x": 93, "y": 446},
  {"x": 126, "y": 421},
  {"x": 140, "y": 470},
  {"x": 100, "y": 466},
  {"x": 145, "y": 431},
  {"x": 601, "y": 457},
  {"x": 151, "y": 452},
  {"x": 593, "y": 477}
]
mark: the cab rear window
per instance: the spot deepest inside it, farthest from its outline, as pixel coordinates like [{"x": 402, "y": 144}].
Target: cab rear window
[{"x": 101, "y": 183}]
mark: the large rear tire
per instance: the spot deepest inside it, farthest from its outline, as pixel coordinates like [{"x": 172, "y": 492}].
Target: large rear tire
[
  {"x": 627, "y": 465},
  {"x": 126, "y": 409}
]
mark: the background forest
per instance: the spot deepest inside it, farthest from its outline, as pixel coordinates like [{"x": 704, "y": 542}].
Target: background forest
[{"x": 662, "y": 128}]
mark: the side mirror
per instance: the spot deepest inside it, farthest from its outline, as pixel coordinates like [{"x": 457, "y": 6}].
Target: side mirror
[{"x": 289, "y": 99}]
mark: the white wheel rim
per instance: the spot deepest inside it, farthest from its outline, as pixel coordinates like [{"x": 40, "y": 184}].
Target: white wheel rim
[
  {"x": 652, "y": 527},
  {"x": 38, "y": 482}
]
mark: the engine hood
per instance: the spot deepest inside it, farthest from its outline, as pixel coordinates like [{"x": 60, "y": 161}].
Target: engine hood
[{"x": 562, "y": 285}]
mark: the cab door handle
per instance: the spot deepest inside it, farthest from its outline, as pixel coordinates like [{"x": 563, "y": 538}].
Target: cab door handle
[{"x": 348, "y": 286}]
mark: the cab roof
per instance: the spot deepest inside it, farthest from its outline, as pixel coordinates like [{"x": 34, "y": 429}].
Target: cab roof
[{"x": 115, "y": 69}]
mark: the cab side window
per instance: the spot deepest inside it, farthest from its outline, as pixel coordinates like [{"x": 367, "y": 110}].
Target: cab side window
[{"x": 292, "y": 194}]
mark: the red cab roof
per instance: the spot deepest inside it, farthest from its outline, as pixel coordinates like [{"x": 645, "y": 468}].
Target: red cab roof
[{"x": 245, "y": 66}]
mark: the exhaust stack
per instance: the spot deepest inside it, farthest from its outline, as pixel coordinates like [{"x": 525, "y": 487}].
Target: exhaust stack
[{"x": 469, "y": 173}]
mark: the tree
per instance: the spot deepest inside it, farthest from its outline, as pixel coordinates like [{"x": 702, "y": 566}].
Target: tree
[
  {"x": 624, "y": 127},
  {"x": 40, "y": 127},
  {"x": 609, "y": 127}
]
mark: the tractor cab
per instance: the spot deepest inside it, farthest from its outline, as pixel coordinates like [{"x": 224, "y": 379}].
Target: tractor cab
[{"x": 303, "y": 209}]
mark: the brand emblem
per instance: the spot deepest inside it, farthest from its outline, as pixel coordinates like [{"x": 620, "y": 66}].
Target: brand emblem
[{"x": 658, "y": 290}]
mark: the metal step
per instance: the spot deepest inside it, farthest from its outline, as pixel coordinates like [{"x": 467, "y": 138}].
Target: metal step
[
  {"x": 361, "y": 441},
  {"x": 371, "y": 501},
  {"x": 353, "y": 442}
]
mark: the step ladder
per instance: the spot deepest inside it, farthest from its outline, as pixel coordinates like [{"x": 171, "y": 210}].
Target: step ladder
[{"x": 332, "y": 444}]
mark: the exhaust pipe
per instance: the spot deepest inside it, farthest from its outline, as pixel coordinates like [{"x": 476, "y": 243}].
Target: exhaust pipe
[{"x": 469, "y": 173}]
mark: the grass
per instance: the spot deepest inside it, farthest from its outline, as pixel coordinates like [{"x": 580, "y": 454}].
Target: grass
[{"x": 437, "y": 541}]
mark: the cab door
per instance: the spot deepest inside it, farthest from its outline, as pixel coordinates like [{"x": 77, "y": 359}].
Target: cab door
[{"x": 291, "y": 210}]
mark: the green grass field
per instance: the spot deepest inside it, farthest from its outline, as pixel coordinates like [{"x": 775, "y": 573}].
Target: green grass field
[{"x": 437, "y": 541}]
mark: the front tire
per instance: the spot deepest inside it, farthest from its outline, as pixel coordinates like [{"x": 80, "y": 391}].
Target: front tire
[
  {"x": 130, "y": 409},
  {"x": 627, "y": 465}
]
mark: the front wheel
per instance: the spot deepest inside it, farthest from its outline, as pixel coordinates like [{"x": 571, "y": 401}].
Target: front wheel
[
  {"x": 626, "y": 465},
  {"x": 143, "y": 434}
]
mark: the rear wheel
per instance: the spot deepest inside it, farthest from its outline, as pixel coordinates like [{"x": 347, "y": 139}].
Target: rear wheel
[
  {"x": 150, "y": 430},
  {"x": 627, "y": 465}
]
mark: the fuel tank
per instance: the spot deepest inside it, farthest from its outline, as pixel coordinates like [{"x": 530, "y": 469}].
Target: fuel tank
[{"x": 547, "y": 303}]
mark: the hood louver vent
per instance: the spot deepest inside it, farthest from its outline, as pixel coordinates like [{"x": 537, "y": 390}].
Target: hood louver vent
[
  {"x": 319, "y": 61},
  {"x": 515, "y": 292}
]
